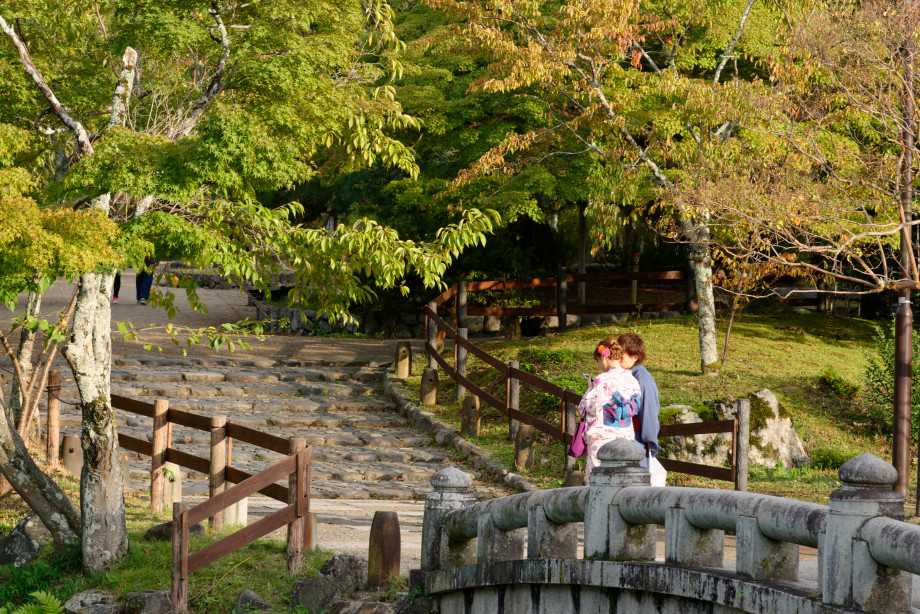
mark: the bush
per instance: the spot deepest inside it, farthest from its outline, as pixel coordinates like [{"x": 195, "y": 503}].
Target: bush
[
  {"x": 877, "y": 399},
  {"x": 547, "y": 403},
  {"x": 830, "y": 458},
  {"x": 46, "y": 603},
  {"x": 838, "y": 385}
]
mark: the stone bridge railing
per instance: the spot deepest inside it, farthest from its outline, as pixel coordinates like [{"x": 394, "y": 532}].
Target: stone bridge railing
[{"x": 520, "y": 552}]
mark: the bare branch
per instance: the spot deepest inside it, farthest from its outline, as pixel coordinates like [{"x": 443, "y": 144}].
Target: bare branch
[{"x": 731, "y": 46}]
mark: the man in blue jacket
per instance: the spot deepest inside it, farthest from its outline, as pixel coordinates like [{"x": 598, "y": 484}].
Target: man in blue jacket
[{"x": 645, "y": 422}]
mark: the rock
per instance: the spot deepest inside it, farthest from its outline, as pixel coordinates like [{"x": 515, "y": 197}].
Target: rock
[
  {"x": 773, "y": 440},
  {"x": 349, "y": 606},
  {"x": 247, "y": 602},
  {"x": 164, "y": 531},
  {"x": 420, "y": 605},
  {"x": 346, "y": 570},
  {"x": 23, "y": 543},
  {"x": 147, "y": 602},
  {"x": 315, "y": 594},
  {"x": 492, "y": 324},
  {"x": 83, "y": 602},
  {"x": 473, "y": 324}
]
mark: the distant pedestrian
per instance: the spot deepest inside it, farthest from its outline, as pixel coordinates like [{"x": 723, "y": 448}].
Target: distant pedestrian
[
  {"x": 609, "y": 404},
  {"x": 144, "y": 281},
  {"x": 116, "y": 287}
]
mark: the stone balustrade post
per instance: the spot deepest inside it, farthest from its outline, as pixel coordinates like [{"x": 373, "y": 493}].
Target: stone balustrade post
[
  {"x": 494, "y": 545},
  {"x": 548, "y": 540},
  {"x": 850, "y": 577},
  {"x": 607, "y": 534},
  {"x": 451, "y": 492},
  {"x": 690, "y": 546},
  {"x": 761, "y": 558}
]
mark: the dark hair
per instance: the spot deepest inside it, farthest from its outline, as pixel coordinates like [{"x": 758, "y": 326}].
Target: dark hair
[
  {"x": 633, "y": 345},
  {"x": 611, "y": 344}
]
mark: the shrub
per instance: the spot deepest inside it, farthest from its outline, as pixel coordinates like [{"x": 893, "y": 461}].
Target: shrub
[
  {"x": 46, "y": 603},
  {"x": 829, "y": 458},
  {"x": 547, "y": 403},
  {"x": 877, "y": 399},
  {"x": 838, "y": 385}
]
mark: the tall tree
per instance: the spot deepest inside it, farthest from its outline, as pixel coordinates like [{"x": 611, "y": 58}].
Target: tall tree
[{"x": 224, "y": 99}]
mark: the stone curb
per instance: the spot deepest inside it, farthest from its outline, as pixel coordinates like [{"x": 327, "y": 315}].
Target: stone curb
[{"x": 446, "y": 436}]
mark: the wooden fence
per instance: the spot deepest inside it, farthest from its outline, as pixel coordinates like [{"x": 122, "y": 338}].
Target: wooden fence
[
  {"x": 561, "y": 308},
  {"x": 219, "y": 470},
  {"x": 568, "y": 403}
]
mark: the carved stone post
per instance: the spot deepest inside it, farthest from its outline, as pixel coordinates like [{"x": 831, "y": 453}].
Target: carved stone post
[
  {"x": 469, "y": 417},
  {"x": 403, "y": 359},
  {"x": 849, "y": 575},
  {"x": 688, "y": 545},
  {"x": 494, "y": 545},
  {"x": 524, "y": 448},
  {"x": 451, "y": 492},
  {"x": 428, "y": 390},
  {"x": 607, "y": 535}
]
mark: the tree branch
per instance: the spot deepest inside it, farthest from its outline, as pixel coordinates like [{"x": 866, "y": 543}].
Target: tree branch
[
  {"x": 84, "y": 146},
  {"x": 731, "y": 46}
]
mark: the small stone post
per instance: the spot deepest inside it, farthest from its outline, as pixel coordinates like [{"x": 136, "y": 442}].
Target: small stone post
[
  {"x": 743, "y": 445},
  {"x": 761, "y": 558},
  {"x": 562, "y": 297},
  {"x": 495, "y": 545},
  {"x": 428, "y": 393},
  {"x": 850, "y": 577},
  {"x": 432, "y": 336},
  {"x": 451, "y": 492},
  {"x": 383, "y": 550},
  {"x": 685, "y": 544},
  {"x": 513, "y": 396},
  {"x": 72, "y": 454},
  {"x": 172, "y": 484},
  {"x": 403, "y": 359},
  {"x": 469, "y": 417},
  {"x": 524, "y": 448},
  {"x": 53, "y": 442},
  {"x": 548, "y": 540},
  {"x": 607, "y": 534}
]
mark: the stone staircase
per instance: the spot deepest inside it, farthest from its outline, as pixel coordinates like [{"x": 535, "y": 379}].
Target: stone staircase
[{"x": 362, "y": 449}]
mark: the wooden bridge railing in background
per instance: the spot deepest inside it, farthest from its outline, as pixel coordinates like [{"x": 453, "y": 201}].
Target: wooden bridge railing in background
[{"x": 568, "y": 402}]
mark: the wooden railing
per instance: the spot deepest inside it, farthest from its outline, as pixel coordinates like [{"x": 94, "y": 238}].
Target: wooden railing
[
  {"x": 568, "y": 403},
  {"x": 560, "y": 282},
  {"x": 219, "y": 471}
]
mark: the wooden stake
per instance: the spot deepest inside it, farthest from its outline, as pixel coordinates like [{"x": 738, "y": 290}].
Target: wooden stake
[
  {"x": 53, "y": 442},
  {"x": 161, "y": 437}
]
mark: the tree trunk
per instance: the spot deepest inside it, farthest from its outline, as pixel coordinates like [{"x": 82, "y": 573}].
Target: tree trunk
[
  {"x": 582, "y": 248},
  {"x": 89, "y": 352},
  {"x": 24, "y": 356},
  {"x": 39, "y": 492},
  {"x": 697, "y": 231}
]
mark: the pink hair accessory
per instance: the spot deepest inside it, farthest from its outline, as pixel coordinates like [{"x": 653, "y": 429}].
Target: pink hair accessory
[{"x": 603, "y": 351}]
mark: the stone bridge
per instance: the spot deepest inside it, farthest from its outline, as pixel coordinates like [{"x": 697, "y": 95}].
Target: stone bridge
[{"x": 520, "y": 553}]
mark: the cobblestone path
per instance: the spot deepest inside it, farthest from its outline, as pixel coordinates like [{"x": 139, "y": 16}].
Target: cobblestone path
[{"x": 362, "y": 449}]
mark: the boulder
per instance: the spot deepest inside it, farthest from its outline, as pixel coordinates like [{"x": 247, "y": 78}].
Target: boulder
[
  {"x": 22, "y": 544},
  {"x": 248, "y": 602},
  {"x": 492, "y": 324},
  {"x": 90, "y": 601},
  {"x": 773, "y": 440},
  {"x": 349, "y": 606},
  {"x": 473, "y": 324},
  {"x": 419, "y": 605},
  {"x": 148, "y": 602},
  {"x": 346, "y": 570},
  {"x": 314, "y": 594},
  {"x": 164, "y": 531}
]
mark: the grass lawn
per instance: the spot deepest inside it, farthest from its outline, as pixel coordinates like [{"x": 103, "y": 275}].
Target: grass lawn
[
  {"x": 261, "y": 566},
  {"x": 784, "y": 350}
]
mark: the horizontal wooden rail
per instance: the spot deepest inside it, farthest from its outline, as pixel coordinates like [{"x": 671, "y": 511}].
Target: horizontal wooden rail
[
  {"x": 257, "y": 438},
  {"x": 471, "y": 347},
  {"x": 189, "y": 461},
  {"x": 537, "y": 382},
  {"x": 530, "y": 312},
  {"x": 638, "y": 276},
  {"x": 696, "y": 428},
  {"x": 192, "y": 421},
  {"x": 243, "y": 537},
  {"x": 135, "y": 445},
  {"x": 511, "y": 284},
  {"x": 705, "y": 471},
  {"x": 132, "y": 405},
  {"x": 275, "y": 491}
]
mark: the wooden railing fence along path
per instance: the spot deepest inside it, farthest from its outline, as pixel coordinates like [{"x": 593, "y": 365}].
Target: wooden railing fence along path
[
  {"x": 296, "y": 467},
  {"x": 739, "y": 428}
]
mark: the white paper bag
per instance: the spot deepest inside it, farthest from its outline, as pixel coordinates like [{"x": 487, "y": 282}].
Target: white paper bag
[{"x": 658, "y": 473}]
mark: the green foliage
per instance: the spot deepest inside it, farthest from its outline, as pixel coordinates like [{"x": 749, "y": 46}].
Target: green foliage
[
  {"x": 44, "y": 576},
  {"x": 46, "y": 603},
  {"x": 828, "y": 457},
  {"x": 838, "y": 384},
  {"x": 877, "y": 400}
]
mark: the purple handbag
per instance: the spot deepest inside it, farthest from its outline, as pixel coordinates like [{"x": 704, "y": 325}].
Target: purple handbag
[{"x": 578, "y": 447}]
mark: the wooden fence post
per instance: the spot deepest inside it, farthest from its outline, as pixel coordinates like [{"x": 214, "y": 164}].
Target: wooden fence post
[
  {"x": 179, "y": 592},
  {"x": 742, "y": 444},
  {"x": 562, "y": 296},
  {"x": 53, "y": 442},
  {"x": 513, "y": 400},
  {"x": 461, "y": 302},
  {"x": 218, "y": 466},
  {"x": 161, "y": 437},
  {"x": 309, "y": 529},
  {"x": 432, "y": 338},
  {"x": 570, "y": 421},
  {"x": 460, "y": 361},
  {"x": 383, "y": 550},
  {"x": 295, "y": 533}
]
